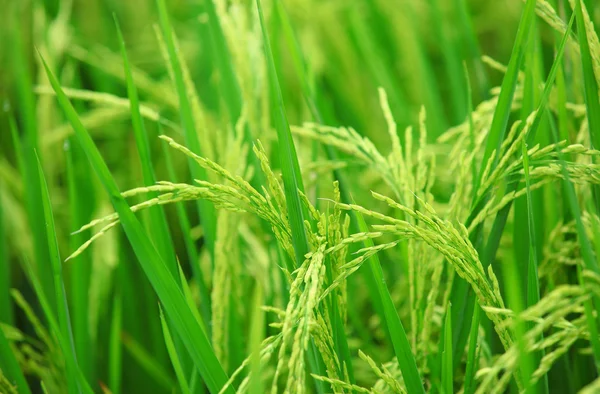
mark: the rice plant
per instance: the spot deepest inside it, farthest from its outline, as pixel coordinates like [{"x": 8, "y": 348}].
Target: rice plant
[{"x": 264, "y": 196}]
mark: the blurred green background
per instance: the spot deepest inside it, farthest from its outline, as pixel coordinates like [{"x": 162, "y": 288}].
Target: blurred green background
[{"x": 417, "y": 50}]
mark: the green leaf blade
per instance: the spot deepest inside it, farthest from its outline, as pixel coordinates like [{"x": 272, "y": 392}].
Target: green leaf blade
[
  {"x": 161, "y": 279},
  {"x": 60, "y": 296},
  {"x": 206, "y": 209},
  {"x": 401, "y": 344}
]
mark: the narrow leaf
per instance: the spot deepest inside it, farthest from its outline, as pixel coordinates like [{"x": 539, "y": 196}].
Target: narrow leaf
[
  {"x": 60, "y": 296},
  {"x": 154, "y": 267},
  {"x": 207, "y": 211},
  {"x": 402, "y": 349}
]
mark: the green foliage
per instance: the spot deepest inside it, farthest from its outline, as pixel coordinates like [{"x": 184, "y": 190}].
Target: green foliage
[{"x": 300, "y": 196}]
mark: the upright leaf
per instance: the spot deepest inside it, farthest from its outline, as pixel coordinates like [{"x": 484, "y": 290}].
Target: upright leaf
[
  {"x": 158, "y": 222},
  {"x": 404, "y": 354},
  {"x": 447, "y": 367},
  {"x": 290, "y": 168},
  {"x": 60, "y": 295},
  {"x": 207, "y": 211},
  {"x": 162, "y": 281}
]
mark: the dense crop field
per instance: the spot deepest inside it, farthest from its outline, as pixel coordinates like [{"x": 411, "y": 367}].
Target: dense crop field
[{"x": 299, "y": 196}]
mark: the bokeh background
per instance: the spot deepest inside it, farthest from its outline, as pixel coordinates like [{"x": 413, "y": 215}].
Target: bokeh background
[{"x": 421, "y": 52}]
